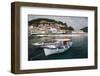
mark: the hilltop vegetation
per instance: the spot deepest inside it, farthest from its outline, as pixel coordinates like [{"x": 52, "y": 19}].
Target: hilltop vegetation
[
  {"x": 47, "y": 20},
  {"x": 85, "y": 29},
  {"x": 52, "y": 21}
]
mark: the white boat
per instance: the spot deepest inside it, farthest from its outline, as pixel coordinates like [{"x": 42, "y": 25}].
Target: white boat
[
  {"x": 58, "y": 47},
  {"x": 61, "y": 45}
]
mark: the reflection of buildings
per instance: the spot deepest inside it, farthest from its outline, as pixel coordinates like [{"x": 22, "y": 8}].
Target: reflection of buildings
[{"x": 47, "y": 27}]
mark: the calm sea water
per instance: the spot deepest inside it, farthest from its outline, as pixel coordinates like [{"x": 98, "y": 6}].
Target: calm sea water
[{"x": 79, "y": 49}]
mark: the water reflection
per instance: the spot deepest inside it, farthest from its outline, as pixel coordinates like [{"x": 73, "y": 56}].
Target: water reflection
[{"x": 78, "y": 48}]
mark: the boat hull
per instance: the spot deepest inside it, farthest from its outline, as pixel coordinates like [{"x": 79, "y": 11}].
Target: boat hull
[{"x": 61, "y": 49}]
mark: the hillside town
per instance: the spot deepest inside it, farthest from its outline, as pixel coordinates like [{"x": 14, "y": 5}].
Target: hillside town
[{"x": 47, "y": 27}]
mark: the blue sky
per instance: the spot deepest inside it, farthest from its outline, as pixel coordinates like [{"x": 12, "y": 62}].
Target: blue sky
[{"x": 76, "y": 22}]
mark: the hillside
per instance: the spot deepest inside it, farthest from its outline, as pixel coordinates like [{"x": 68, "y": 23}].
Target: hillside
[
  {"x": 85, "y": 29},
  {"x": 47, "y": 20}
]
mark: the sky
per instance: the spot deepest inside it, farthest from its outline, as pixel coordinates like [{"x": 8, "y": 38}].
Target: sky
[{"x": 76, "y": 22}]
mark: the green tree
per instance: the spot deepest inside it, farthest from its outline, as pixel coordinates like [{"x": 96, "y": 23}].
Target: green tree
[
  {"x": 70, "y": 28},
  {"x": 85, "y": 29}
]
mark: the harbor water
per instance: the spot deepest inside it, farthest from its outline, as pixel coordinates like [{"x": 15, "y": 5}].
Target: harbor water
[{"x": 79, "y": 49}]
